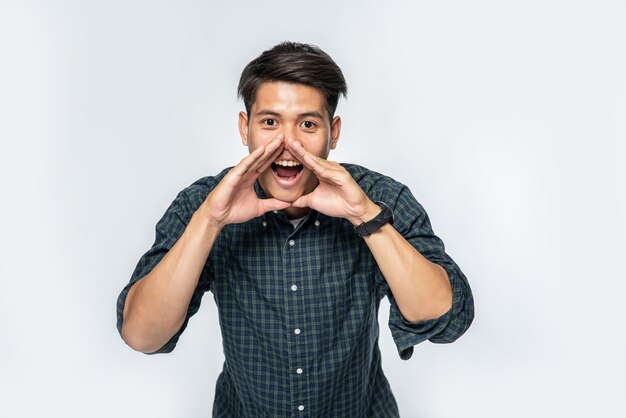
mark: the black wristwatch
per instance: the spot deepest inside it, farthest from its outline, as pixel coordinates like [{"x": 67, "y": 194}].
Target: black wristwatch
[{"x": 385, "y": 216}]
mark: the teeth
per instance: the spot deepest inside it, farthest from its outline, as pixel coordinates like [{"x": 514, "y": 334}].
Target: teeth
[{"x": 286, "y": 163}]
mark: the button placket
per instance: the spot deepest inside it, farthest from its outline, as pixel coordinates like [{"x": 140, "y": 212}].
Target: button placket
[{"x": 296, "y": 310}]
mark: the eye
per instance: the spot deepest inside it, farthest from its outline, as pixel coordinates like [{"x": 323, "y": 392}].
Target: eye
[
  {"x": 269, "y": 122},
  {"x": 308, "y": 124}
]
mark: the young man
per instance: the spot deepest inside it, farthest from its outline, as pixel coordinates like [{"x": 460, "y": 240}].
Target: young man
[{"x": 298, "y": 252}]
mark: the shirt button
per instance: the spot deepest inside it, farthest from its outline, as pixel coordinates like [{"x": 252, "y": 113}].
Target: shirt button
[
  {"x": 317, "y": 223},
  {"x": 294, "y": 287},
  {"x": 292, "y": 243},
  {"x": 264, "y": 223},
  {"x": 299, "y": 371},
  {"x": 296, "y": 331},
  {"x": 275, "y": 211},
  {"x": 301, "y": 408}
]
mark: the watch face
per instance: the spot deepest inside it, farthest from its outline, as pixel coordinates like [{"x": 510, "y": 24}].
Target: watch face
[
  {"x": 387, "y": 213},
  {"x": 385, "y": 216}
]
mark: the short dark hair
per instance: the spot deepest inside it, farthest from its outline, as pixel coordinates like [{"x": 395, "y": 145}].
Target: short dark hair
[{"x": 297, "y": 63}]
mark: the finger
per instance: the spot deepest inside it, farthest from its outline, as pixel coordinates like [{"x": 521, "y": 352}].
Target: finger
[
  {"x": 275, "y": 145},
  {"x": 269, "y": 160},
  {"x": 271, "y": 154},
  {"x": 305, "y": 157},
  {"x": 325, "y": 171},
  {"x": 245, "y": 164},
  {"x": 297, "y": 149},
  {"x": 312, "y": 162},
  {"x": 248, "y": 162}
]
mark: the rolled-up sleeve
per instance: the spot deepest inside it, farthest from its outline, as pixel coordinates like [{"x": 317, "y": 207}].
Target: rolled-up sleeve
[
  {"x": 168, "y": 230},
  {"x": 412, "y": 222}
]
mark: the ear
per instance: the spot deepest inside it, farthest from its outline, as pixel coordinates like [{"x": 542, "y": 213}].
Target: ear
[
  {"x": 335, "y": 130},
  {"x": 243, "y": 127}
]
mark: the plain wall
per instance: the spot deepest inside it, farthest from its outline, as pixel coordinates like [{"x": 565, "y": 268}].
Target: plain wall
[{"x": 506, "y": 120}]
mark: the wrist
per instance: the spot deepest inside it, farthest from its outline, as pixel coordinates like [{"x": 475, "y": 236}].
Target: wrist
[
  {"x": 369, "y": 212},
  {"x": 209, "y": 220}
]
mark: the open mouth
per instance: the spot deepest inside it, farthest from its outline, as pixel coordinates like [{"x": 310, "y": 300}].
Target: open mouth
[
  {"x": 287, "y": 169},
  {"x": 287, "y": 173}
]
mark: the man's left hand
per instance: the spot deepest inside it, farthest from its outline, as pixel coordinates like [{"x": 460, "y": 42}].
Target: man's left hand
[{"x": 337, "y": 194}]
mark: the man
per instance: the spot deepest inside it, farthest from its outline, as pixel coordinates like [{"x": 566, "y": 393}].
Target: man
[{"x": 298, "y": 252}]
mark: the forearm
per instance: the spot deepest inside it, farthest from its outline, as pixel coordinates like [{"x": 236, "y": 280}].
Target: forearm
[
  {"x": 156, "y": 305},
  {"x": 421, "y": 288}
]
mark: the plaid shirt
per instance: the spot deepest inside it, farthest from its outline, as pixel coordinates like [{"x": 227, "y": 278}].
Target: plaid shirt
[{"x": 298, "y": 308}]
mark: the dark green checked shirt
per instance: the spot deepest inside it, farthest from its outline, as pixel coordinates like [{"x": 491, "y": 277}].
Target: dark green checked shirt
[{"x": 298, "y": 308}]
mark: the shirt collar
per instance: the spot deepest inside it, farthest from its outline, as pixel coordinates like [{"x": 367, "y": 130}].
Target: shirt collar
[
  {"x": 313, "y": 215},
  {"x": 259, "y": 190}
]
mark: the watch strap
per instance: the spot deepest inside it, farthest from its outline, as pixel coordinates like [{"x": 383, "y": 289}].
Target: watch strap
[{"x": 384, "y": 216}]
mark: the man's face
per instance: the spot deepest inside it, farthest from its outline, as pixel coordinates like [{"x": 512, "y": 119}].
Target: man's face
[{"x": 297, "y": 111}]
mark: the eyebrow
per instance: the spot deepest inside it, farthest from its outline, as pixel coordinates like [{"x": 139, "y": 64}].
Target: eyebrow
[
  {"x": 312, "y": 114},
  {"x": 266, "y": 112}
]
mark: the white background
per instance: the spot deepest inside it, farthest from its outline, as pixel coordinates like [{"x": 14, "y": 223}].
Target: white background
[{"x": 506, "y": 119}]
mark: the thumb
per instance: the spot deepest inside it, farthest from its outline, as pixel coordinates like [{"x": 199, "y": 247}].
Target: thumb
[
  {"x": 302, "y": 201},
  {"x": 273, "y": 204}
]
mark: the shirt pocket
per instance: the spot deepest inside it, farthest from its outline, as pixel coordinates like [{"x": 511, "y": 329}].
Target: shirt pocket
[
  {"x": 339, "y": 294},
  {"x": 346, "y": 308}
]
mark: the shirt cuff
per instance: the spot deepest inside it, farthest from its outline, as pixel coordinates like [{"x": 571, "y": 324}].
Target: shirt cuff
[{"x": 407, "y": 334}]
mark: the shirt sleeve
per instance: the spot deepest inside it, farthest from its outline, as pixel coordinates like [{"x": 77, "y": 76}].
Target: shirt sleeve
[
  {"x": 168, "y": 230},
  {"x": 412, "y": 222}
]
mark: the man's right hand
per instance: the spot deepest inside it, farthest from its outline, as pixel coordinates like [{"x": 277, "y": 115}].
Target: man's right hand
[
  {"x": 234, "y": 200},
  {"x": 156, "y": 306}
]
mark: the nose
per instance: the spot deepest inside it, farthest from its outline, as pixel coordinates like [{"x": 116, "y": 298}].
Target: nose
[{"x": 289, "y": 131}]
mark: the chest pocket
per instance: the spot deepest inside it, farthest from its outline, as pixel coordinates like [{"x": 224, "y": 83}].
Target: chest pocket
[{"x": 346, "y": 307}]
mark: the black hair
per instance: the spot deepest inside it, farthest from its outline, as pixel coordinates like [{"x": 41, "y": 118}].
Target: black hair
[{"x": 297, "y": 63}]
